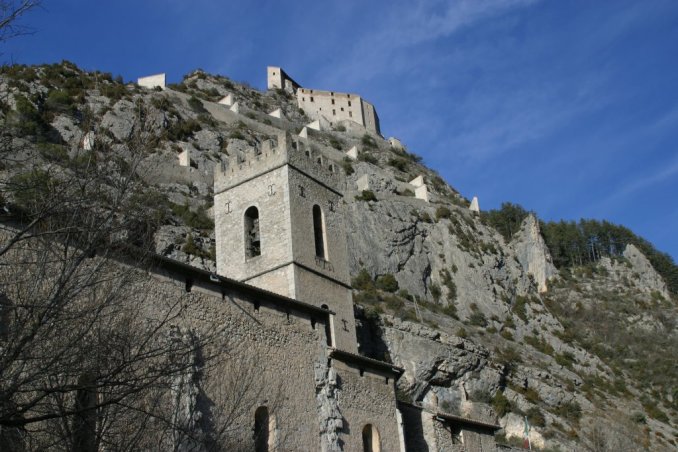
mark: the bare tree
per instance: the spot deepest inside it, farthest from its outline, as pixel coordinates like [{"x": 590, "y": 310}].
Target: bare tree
[{"x": 10, "y": 13}]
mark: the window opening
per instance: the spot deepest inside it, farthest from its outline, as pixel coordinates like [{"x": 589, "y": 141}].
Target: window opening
[
  {"x": 332, "y": 101},
  {"x": 328, "y": 326},
  {"x": 261, "y": 429},
  {"x": 371, "y": 439},
  {"x": 252, "y": 235},
  {"x": 319, "y": 232}
]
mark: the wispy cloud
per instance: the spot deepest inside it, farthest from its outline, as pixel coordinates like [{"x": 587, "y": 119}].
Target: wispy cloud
[{"x": 407, "y": 24}]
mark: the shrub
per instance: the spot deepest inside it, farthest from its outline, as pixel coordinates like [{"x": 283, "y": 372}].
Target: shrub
[
  {"x": 535, "y": 417},
  {"x": 53, "y": 152},
  {"x": 449, "y": 283},
  {"x": 501, "y": 404},
  {"x": 655, "y": 412},
  {"x": 477, "y": 318},
  {"x": 59, "y": 101},
  {"x": 363, "y": 280},
  {"x": 435, "y": 291},
  {"x": 182, "y": 130},
  {"x": 442, "y": 212},
  {"x": 638, "y": 418},
  {"x": 347, "y": 165},
  {"x": 387, "y": 283},
  {"x": 398, "y": 163},
  {"x": 340, "y": 128},
  {"x": 519, "y": 307},
  {"x": 336, "y": 144},
  {"x": 570, "y": 411},
  {"x": 566, "y": 359},
  {"x": 236, "y": 135},
  {"x": 369, "y": 158},
  {"x": 366, "y": 195},
  {"x": 482, "y": 396},
  {"x": 196, "y": 105},
  {"x": 191, "y": 248},
  {"x": 197, "y": 219},
  {"x": 461, "y": 332},
  {"x": 368, "y": 141}
]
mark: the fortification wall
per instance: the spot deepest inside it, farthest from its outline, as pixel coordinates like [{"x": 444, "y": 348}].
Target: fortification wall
[
  {"x": 370, "y": 117},
  {"x": 258, "y": 341},
  {"x": 367, "y": 399},
  {"x": 333, "y": 106}
]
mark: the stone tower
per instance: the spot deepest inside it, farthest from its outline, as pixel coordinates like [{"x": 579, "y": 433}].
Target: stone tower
[{"x": 279, "y": 226}]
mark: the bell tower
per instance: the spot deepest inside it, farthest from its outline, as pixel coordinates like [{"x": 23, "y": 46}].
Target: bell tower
[{"x": 279, "y": 226}]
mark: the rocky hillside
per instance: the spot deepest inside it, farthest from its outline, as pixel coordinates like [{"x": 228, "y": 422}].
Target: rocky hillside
[{"x": 482, "y": 321}]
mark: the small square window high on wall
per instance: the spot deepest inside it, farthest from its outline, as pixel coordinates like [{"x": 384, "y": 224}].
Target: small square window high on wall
[{"x": 311, "y": 98}]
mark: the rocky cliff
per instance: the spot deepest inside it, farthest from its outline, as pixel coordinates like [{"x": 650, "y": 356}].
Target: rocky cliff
[{"x": 484, "y": 327}]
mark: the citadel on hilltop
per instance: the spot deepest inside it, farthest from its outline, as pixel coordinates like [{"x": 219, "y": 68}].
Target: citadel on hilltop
[{"x": 329, "y": 105}]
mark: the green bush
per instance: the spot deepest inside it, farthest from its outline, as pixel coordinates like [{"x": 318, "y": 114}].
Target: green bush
[
  {"x": 435, "y": 292},
  {"x": 477, "y": 318},
  {"x": 442, "y": 212},
  {"x": 366, "y": 195},
  {"x": 191, "y": 248},
  {"x": 398, "y": 163},
  {"x": 182, "y": 130},
  {"x": 570, "y": 411},
  {"x": 501, "y": 404},
  {"x": 347, "y": 165},
  {"x": 335, "y": 143},
  {"x": 363, "y": 280},
  {"x": 196, "y": 105},
  {"x": 566, "y": 359},
  {"x": 482, "y": 396},
  {"x": 387, "y": 283},
  {"x": 368, "y": 141},
  {"x": 53, "y": 152},
  {"x": 197, "y": 219},
  {"x": 369, "y": 158},
  {"x": 535, "y": 417}
]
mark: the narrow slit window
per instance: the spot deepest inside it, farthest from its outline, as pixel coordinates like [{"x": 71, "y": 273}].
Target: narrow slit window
[
  {"x": 252, "y": 233},
  {"x": 261, "y": 429},
  {"x": 319, "y": 232},
  {"x": 371, "y": 441}
]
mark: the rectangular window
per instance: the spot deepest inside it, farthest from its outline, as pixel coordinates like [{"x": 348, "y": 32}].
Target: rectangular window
[
  {"x": 350, "y": 114},
  {"x": 311, "y": 98},
  {"x": 349, "y": 103},
  {"x": 342, "y": 108},
  {"x": 334, "y": 112},
  {"x": 332, "y": 101}
]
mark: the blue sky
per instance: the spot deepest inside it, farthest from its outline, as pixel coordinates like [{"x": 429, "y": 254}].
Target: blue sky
[{"x": 569, "y": 108}]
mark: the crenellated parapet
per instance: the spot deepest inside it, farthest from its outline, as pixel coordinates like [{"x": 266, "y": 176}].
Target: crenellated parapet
[{"x": 275, "y": 153}]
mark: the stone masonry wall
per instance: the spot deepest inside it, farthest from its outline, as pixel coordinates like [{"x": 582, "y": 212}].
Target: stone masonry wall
[
  {"x": 280, "y": 349},
  {"x": 367, "y": 399}
]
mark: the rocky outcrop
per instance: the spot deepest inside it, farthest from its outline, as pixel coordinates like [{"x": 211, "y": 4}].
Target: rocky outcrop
[
  {"x": 647, "y": 278},
  {"x": 532, "y": 252}
]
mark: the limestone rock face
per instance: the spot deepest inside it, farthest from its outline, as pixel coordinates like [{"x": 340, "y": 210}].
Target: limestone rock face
[
  {"x": 648, "y": 279},
  {"x": 532, "y": 253},
  {"x": 400, "y": 236},
  {"x": 120, "y": 120}
]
